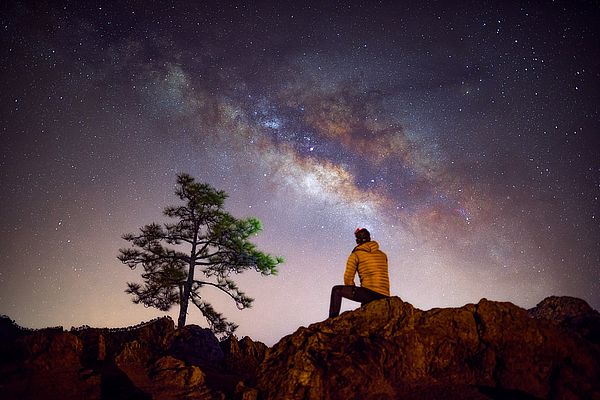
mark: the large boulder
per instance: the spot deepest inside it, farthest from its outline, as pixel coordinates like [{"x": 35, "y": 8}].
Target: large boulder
[
  {"x": 390, "y": 350},
  {"x": 571, "y": 313},
  {"x": 197, "y": 346}
]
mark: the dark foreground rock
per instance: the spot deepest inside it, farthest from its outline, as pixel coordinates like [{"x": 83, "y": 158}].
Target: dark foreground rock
[
  {"x": 385, "y": 350},
  {"x": 571, "y": 313},
  {"x": 150, "y": 361},
  {"x": 390, "y": 350}
]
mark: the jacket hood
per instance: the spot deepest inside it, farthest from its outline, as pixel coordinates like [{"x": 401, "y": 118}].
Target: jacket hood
[{"x": 368, "y": 246}]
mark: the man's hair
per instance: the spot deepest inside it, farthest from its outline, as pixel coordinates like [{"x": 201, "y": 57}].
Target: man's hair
[{"x": 362, "y": 233}]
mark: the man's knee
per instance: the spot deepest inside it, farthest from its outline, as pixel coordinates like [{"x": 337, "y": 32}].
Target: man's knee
[{"x": 339, "y": 290}]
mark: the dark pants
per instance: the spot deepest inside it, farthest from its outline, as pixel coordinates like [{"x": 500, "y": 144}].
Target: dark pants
[{"x": 355, "y": 293}]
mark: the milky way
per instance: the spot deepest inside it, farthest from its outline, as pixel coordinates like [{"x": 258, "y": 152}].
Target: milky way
[{"x": 465, "y": 138}]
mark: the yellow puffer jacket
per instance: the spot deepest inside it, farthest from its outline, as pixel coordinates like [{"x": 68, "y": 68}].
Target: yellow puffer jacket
[{"x": 372, "y": 266}]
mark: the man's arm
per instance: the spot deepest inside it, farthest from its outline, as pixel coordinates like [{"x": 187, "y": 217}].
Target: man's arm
[{"x": 351, "y": 266}]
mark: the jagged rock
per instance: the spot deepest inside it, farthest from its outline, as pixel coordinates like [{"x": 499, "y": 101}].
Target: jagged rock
[
  {"x": 137, "y": 373},
  {"x": 94, "y": 346},
  {"x": 134, "y": 353},
  {"x": 197, "y": 346},
  {"x": 134, "y": 361},
  {"x": 243, "y": 356},
  {"x": 561, "y": 308},
  {"x": 53, "y": 350},
  {"x": 47, "y": 367},
  {"x": 571, "y": 313},
  {"x": 156, "y": 335},
  {"x": 85, "y": 363},
  {"x": 384, "y": 350},
  {"x": 243, "y": 392},
  {"x": 390, "y": 350},
  {"x": 171, "y": 371},
  {"x": 165, "y": 377}
]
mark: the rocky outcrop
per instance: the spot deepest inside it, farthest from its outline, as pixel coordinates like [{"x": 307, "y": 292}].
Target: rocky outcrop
[
  {"x": 385, "y": 350},
  {"x": 390, "y": 350},
  {"x": 150, "y": 361},
  {"x": 570, "y": 313},
  {"x": 44, "y": 364},
  {"x": 197, "y": 346},
  {"x": 243, "y": 357}
]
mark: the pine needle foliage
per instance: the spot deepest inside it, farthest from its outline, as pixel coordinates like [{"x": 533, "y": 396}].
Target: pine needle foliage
[{"x": 203, "y": 247}]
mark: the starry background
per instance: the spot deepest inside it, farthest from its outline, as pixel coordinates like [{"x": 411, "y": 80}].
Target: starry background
[{"x": 464, "y": 135}]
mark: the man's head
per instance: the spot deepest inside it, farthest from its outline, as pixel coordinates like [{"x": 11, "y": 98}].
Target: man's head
[{"x": 362, "y": 235}]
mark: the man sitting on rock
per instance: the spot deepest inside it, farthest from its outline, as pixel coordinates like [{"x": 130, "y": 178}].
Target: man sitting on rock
[{"x": 372, "y": 267}]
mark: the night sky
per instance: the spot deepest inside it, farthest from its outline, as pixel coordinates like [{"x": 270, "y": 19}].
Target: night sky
[{"x": 464, "y": 136}]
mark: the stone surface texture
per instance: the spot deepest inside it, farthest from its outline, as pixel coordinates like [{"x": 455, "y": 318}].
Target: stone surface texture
[
  {"x": 390, "y": 350},
  {"x": 384, "y": 350}
]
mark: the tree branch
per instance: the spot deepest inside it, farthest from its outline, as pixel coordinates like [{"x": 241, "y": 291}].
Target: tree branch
[{"x": 201, "y": 283}]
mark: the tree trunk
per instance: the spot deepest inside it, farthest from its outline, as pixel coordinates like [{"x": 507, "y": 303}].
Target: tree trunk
[{"x": 187, "y": 288}]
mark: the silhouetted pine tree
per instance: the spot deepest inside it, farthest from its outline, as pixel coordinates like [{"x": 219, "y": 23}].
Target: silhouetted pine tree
[{"x": 206, "y": 241}]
